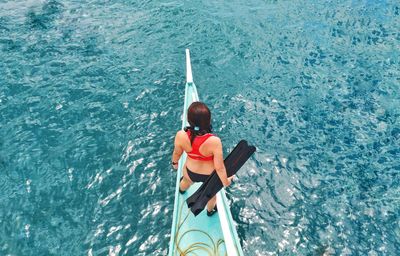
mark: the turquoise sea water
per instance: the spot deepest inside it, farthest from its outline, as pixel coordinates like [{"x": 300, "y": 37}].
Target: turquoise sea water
[{"x": 91, "y": 94}]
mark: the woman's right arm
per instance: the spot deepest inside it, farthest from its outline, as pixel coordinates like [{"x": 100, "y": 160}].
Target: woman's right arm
[
  {"x": 219, "y": 163},
  {"x": 178, "y": 150}
]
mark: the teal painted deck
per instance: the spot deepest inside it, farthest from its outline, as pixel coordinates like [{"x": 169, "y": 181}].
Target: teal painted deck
[{"x": 201, "y": 235}]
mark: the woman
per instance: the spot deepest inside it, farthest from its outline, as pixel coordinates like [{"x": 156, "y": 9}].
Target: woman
[{"x": 204, "y": 151}]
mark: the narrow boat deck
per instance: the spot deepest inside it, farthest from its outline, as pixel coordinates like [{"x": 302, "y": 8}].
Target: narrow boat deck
[{"x": 200, "y": 235}]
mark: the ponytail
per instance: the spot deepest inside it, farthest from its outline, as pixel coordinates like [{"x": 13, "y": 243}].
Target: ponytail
[
  {"x": 195, "y": 131},
  {"x": 199, "y": 118}
]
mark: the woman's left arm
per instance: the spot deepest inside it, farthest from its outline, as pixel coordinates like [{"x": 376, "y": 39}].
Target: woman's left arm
[{"x": 178, "y": 151}]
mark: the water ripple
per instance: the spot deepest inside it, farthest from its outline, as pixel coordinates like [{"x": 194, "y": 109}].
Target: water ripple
[{"x": 91, "y": 96}]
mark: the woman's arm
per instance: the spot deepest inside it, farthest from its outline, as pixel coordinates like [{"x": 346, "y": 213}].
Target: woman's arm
[
  {"x": 178, "y": 150},
  {"x": 219, "y": 163}
]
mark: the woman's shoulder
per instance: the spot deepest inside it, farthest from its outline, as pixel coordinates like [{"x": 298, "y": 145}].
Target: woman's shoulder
[
  {"x": 214, "y": 139},
  {"x": 181, "y": 133}
]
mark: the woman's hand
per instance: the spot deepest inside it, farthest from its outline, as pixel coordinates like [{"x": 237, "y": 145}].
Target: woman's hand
[
  {"x": 175, "y": 166},
  {"x": 230, "y": 179}
]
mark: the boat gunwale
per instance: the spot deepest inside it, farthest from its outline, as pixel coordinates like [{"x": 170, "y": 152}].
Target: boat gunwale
[{"x": 224, "y": 209}]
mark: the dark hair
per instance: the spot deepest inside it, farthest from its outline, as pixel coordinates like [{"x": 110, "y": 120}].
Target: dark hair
[{"x": 199, "y": 118}]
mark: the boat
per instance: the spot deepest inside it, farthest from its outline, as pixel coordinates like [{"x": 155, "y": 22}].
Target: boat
[{"x": 200, "y": 235}]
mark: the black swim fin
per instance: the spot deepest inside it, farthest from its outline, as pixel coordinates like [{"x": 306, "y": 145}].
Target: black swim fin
[
  {"x": 233, "y": 162},
  {"x": 235, "y": 153}
]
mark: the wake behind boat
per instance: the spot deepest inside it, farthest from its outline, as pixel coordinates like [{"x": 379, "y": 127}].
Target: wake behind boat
[{"x": 201, "y": 235}]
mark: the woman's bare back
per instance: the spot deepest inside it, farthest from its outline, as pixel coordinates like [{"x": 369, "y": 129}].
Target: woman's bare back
[{"x": 206, "y": 149}]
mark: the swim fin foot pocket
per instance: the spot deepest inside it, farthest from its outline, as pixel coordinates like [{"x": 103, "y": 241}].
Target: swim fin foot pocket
[{"x": 233, "y": 162}]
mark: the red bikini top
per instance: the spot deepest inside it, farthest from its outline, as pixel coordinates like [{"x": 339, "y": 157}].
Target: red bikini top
[{"x": 197, "y": 142}]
